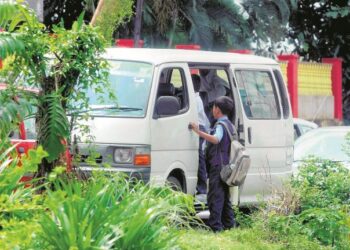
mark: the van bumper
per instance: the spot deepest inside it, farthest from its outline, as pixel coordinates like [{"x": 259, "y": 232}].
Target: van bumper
[{"x": 139, "y": 173}]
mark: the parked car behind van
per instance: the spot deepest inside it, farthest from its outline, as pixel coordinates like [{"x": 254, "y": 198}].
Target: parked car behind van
[
  {"x": 145, "y": 133},
  {"x": 302, "y": 126},
  {"x": 327, "y": 143}
]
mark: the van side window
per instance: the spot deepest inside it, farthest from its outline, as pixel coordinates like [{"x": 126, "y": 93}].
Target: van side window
[
  {"x": 283, "y": 93},
  {"x": 258, "y": 94},
  {"x": 172, "y": 83},
  {"x": 178, "y": 79}
]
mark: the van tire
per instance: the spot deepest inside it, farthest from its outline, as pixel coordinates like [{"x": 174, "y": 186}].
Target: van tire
[{"x": 174, "y": 184}]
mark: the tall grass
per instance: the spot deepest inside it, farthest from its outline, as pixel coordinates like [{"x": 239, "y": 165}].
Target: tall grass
[{"x": 112, "y": 212}]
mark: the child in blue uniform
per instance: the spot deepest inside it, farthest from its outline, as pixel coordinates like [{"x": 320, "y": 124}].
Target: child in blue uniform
[{"x": 218, "y": 152}]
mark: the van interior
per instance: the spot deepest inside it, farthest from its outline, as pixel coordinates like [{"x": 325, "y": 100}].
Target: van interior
[{"x": 215, "y": 82}]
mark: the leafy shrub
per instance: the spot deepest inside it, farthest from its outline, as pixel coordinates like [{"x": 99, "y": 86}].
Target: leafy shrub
[
  {"x": 327, "y": 225},
  {"x": 322, "y": 183},
  {"x": 325, "y": 201},
  {"x": 20, "y": 207},
  {"x": 110, "y": 212},
  {"x": 315, "y": 204}
]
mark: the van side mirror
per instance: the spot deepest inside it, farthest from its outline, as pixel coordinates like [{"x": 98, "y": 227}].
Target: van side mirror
[{"x": 167, "y": 106}]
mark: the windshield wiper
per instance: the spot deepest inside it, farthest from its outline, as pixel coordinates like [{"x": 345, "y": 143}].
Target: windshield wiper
[
  {"x": 126, "y": 108},
  {"x": 106, "y": 107}
]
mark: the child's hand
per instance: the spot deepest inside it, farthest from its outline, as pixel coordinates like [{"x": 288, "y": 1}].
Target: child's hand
[{"x": 194, "y": 127}]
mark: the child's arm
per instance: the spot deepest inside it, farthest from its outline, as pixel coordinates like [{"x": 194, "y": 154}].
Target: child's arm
[{"x": 205, "y": 136}]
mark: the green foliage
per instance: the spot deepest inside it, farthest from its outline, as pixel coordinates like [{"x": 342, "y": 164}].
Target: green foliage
[
  {"x": 17, "y": 16},
  {"x": 328, "y": 225},
  {"x": 242, "y": 238},
  {"x": 9, "y": 45},
  {"x": 112, "y": 213},
  {"x": 59, "y": 65},
  {"x": 10, "y": 173},
  {"x": 103, "y": 212},
  {"x": 322, "y": 184},
  {"x": 20, "y": 207},
  {"x": 211, "y": 24},
  {"x": 12, "y": 112},
  {"x": 112, "y": 15},
  {"x": 317, "y": 29},
  {"x": 268, "y": 21},
  {"x": 218, "y": 25},
  {"x": 323, "y": 199},
  {"x": 56, "y": 126}
]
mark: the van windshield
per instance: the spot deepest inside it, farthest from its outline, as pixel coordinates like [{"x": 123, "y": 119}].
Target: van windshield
[{"x": 130, "y": 83}]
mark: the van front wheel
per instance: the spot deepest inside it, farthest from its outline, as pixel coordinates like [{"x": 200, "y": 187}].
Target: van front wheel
[{"x": 174, "y": 184}]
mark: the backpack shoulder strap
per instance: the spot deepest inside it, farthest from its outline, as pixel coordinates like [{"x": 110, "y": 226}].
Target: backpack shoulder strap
[{"x": 227, "y": 129}]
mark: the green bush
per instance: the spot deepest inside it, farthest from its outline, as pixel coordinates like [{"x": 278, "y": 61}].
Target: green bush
[
  {"x": 315, "y": 204},
  {"x": 322, "y": 183},
  {"x": 325, "y": 201},
  {"x": 112, "y": 212},
  {"x": 103, "y": 212},
  {"x": 20, "y": 206}
]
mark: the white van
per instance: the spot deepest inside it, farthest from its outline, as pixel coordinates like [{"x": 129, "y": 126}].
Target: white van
[{"x": 146, "y": 134}]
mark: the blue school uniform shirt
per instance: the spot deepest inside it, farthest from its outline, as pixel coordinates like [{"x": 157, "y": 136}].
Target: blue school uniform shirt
[{"x": 219, "y": 130}]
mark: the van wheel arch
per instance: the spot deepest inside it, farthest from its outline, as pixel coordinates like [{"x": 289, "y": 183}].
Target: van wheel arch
[{"x": 176, "y": 178}]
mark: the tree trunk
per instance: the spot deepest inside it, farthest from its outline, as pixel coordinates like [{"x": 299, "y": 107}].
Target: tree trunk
[
  {"x": 97, "y": 12},
  {"x": 138, "y": 23}
]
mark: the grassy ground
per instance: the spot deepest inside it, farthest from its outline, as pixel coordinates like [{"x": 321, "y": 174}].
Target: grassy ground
[{"x": 240, "y": 239}]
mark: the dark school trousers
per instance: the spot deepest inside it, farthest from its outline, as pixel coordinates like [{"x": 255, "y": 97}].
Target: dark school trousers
[
  {"x": 220, "y": 207},
  {"x": 202, "y": 168}
]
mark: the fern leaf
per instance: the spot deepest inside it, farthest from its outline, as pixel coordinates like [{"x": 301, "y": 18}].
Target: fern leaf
[{"x": 54, "y": 127}]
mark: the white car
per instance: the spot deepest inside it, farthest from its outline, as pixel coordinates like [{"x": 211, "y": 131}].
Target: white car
[
  {"x": 302, "y": 126},
  {"x": 325, "y": 143}
]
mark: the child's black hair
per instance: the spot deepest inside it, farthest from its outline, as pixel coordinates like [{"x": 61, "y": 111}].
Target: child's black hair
[
  {"x": 225, "y": 104},
  {"x": 196, "y": 80}
]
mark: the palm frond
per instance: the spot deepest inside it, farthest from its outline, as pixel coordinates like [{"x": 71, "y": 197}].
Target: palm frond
[
  {"x": 7, "y": 12},
  {"x": 228, "y": 23},
  {"x": 268, "y": 19},
  {"x": 56, "y": 128},
  {"x": 10, "y": 44},
  {"x": 200, "y": 31},
  {"x": 15, "y": 15}
]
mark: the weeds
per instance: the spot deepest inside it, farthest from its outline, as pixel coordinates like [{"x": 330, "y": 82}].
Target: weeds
[{"x": 314, "y": 204}]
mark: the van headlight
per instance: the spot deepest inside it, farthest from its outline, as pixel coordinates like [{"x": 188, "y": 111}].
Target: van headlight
[
  {"x": 138, "y": 155},
  {"x": 123, "y": 155}
]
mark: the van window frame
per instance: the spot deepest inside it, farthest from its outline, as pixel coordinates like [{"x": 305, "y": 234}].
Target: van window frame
[
  {"x": 185, "y": 91},
  {"x": 274, "y": 88},
  {"x": 283, "y": 93}
]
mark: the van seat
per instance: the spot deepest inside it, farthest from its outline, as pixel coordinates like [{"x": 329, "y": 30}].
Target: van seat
[{"x": 166, "y": 89}]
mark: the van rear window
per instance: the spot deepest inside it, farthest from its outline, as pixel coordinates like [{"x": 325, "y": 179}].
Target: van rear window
[{"x": 258, "y": 94}]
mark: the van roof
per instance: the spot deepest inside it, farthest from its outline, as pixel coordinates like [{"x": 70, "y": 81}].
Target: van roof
[{"x": 159, "y": 56}]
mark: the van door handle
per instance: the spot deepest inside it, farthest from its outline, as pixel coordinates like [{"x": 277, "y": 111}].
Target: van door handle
[{"x": 250, "y": 135}]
